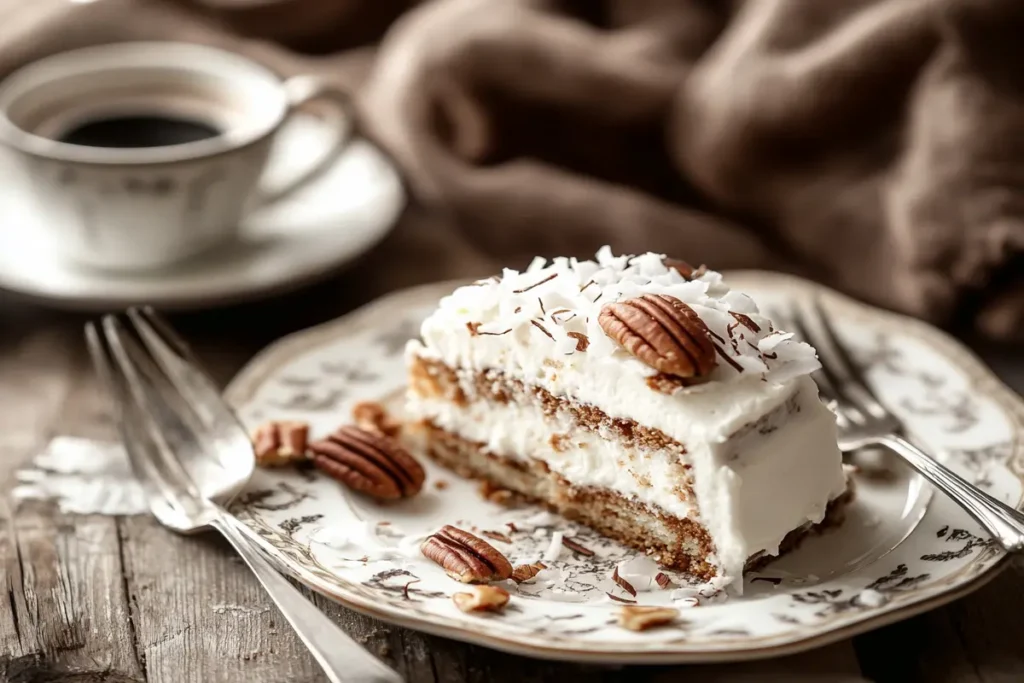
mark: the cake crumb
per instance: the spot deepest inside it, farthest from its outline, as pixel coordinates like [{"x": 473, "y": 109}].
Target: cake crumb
[
  {"x": 559, "y": 441},
  {"x": 495, "y": 494},
  {"x": 440, "y": 484},
  {"x": 373, "y": 416}
]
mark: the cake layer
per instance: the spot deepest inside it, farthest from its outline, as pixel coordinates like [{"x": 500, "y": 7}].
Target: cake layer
[
  {"x": 644, "y": 379},
  {"x": 680, "y": 544},
  {"x": 730, "y": 489},
  {"x": 578, "y": 442}
]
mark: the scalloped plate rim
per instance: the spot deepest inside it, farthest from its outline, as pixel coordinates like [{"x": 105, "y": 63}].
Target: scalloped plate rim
[{"x": 264, "y": 362}]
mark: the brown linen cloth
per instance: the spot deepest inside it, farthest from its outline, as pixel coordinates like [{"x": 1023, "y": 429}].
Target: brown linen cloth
[{"x": 873, "y": 144}]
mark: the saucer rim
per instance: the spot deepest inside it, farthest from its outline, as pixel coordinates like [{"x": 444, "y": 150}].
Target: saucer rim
[{"x": 21, "y": 285}]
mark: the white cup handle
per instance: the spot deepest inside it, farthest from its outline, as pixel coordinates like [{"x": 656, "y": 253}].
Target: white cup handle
[{"x": 300, "y": 90}]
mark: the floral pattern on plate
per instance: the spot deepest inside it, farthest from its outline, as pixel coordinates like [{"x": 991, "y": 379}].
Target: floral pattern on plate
[{"x": 900, "y": 550}]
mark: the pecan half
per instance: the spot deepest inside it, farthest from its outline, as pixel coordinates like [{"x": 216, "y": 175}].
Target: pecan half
[
  {"x": 465, "y": 557},
  {"x": 280, "y": 442},
  {"x": 663, "y": 332},
  {"x": 482, "y": 599},
  {"x": 368, "y": 462},
  {"x": 640, "y": 618},
  {"x": 373, "y": 417}
]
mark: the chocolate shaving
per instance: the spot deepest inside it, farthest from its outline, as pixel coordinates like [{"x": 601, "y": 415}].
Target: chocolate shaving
[
  {"x": 542, "y": 329},
  {"x": 474, "y": 329},
  {"x": 576, "y": 547},
  {"x": 549, "y": 278},
  {"x": 746, "y": 321},
  {"x": 494, "y": 334},
  {"x": 541, "y": 302},
  {"x": 716, "y": 336},
  {"x": 662, "y": 580},
  {"x": 512, "y": 527},
  {"x": 728, "y": 359},
  {"x": 685, "y": 269},
  {"x": 405, "y": 588},
  {"x": 771, "y": 355},
  {"x": 496, "y": 535},
  {"x": 582, "y": 341},
  {"x": 587, "y": 285},
  {"x": 623, "y": 584},
  {"x": 518, "y": 308},
  {"x": 618, "y": 599},
  {"x": 730, "y": 328}
]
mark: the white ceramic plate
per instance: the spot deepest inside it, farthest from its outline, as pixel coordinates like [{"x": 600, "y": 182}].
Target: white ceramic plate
[
  {"x": 901, "y": 550},
  {"x": 310, "y": 234}
]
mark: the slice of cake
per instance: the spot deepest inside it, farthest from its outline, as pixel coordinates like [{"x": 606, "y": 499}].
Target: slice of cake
[{"x": 638, "y": 396}]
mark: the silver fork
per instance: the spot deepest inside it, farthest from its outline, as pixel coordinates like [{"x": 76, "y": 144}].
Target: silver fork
[
  {"x": 864, "y": 421},
  {"x": 191, "y": 455}
]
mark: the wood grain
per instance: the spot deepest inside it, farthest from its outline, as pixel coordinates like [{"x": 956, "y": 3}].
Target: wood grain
[{"x": 87, "y": 598}]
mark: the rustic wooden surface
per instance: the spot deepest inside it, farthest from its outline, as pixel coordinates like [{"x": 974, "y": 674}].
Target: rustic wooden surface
[{"x": 91, "y": 598}]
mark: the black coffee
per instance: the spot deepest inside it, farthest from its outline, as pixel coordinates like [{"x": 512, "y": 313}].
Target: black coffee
[{"x": 138, "y": 131}]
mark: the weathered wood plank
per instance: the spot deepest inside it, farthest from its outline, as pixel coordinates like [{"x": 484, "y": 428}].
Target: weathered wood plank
[
  {"x": 200, "y": 615},
  {"x": 69, "y": 610},
  {"x": 36, "y": 374}
]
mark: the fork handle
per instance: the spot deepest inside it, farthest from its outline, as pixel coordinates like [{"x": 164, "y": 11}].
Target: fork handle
[
  {"x": 342, "y": 658},
  {"x": 1001, "y": 521}
]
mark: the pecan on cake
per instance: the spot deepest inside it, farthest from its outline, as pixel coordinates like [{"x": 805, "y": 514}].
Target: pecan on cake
[{"x": 645, "y": 399}]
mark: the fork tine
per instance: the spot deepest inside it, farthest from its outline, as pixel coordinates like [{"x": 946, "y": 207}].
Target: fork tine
[
  {"x": 197, "y": 389},
  {"x": 173, "y": 369},
  {"x": 166, "y": 332},
  {"x": 142, "y": 466},
  {"x": 843, "y": 364},
  {"x": 171, "y": 472}
]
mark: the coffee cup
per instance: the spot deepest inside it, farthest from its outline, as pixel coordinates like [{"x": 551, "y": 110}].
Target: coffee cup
[{"x": 144, "y": 154}]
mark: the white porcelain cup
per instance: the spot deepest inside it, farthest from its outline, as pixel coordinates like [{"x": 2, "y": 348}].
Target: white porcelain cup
[{"x": 149, "y": 207}]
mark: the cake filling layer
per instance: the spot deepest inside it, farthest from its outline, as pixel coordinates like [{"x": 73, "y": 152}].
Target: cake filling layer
[
  {"x": 681, "y": 544},
  {"x": 583, "y": 457},
  {"x": 748, "y": 490}
]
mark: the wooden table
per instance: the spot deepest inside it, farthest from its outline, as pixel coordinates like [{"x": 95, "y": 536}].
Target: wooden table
[{"x": 93, "y": 598}]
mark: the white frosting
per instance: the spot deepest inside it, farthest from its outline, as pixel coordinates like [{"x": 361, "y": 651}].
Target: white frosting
[
  {"x": 750, "y": 489},
  {"x": 523, "y": 319}
]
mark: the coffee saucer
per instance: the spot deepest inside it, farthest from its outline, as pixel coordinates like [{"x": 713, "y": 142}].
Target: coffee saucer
[{"x": 305, "y": 236}]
